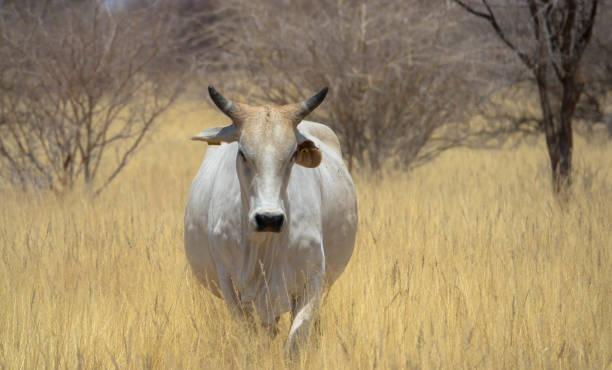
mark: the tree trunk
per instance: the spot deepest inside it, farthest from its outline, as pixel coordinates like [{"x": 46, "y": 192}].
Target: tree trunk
[
  {"x": 572, "y": 89},
  {"x": 552, "y": 139},
  {"x": 559, "y": 135}
]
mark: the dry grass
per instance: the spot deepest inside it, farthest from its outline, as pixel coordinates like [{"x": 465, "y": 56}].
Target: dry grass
[{"x": 464, "y": 263}]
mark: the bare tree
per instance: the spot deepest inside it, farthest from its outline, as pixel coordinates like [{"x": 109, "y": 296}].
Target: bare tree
[
  {"x": 550, "y": 45},
  {"x": 198, "y": 29},
  {"x": 394, "y": 86},
  {"x": 76, "y": 94}
]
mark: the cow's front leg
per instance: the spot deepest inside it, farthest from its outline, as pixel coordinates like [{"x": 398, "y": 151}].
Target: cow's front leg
[
  {"x": 232, "y": 300},
  {"x": 304, "y": 312}
]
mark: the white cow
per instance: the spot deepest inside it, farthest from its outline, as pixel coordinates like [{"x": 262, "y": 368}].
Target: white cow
[{"x": 271, "y": 215}]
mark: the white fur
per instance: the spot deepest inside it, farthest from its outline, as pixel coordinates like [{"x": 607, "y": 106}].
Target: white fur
[{"x": 265, "y": 270}]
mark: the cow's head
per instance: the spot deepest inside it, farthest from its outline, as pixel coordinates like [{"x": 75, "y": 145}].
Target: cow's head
[{"x": 269, "y": 143}]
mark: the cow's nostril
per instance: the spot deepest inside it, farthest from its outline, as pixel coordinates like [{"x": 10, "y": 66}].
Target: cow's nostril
[{"x": 267, "y": 222}]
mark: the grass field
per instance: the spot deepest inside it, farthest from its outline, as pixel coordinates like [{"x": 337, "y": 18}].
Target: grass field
[{"x": 467, "y": 262}]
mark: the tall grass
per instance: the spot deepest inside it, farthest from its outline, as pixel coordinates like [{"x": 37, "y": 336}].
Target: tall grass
[{"x": 467, "y": 262}]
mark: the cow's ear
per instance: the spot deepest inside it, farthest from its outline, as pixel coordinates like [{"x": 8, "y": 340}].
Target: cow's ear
[
  {"x": 308, "y": 154},
  {"x": 217, "y": 135}
]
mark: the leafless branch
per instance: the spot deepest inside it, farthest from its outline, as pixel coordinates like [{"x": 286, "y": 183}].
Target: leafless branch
[
  {"x": 387, "y": 64},
  {"x": 71, "y": 78},
  {"x": 490, "y": 17}
]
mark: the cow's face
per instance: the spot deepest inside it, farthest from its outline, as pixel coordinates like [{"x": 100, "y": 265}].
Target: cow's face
[{"x": 269, "y": 143}]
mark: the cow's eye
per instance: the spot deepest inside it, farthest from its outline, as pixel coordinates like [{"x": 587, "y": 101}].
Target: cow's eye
[{"x": 241, "y": 154}]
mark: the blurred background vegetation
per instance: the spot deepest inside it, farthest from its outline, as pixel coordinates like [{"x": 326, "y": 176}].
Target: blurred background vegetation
[{"x": 83, "y": 82}]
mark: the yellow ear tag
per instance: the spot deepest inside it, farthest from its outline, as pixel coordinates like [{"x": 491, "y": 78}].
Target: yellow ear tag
[{"x": 303, "y": 150}]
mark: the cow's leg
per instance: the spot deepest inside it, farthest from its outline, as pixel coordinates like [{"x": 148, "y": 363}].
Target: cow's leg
[
  {"x": 317, "y": 319},
  {"x": 232, "y": 300},
  {"x": 304, "y": 312}
]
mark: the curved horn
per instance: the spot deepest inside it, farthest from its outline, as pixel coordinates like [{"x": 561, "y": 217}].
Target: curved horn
[
  {"x": 227, "y": 106},
  {"x": 311, "y": 103}
]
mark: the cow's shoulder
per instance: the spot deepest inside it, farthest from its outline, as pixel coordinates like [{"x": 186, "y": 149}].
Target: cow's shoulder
[{"x": 322, "y": 132}]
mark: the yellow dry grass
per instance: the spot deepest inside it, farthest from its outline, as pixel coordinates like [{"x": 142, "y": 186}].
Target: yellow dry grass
[{"x": 464, "y": 263}]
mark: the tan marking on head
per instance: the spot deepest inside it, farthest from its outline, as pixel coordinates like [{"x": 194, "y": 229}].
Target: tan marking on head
[{"x": 268, "y": 124}]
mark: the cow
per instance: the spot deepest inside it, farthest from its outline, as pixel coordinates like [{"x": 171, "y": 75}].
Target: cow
[{"x": 271, "y": 215}]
